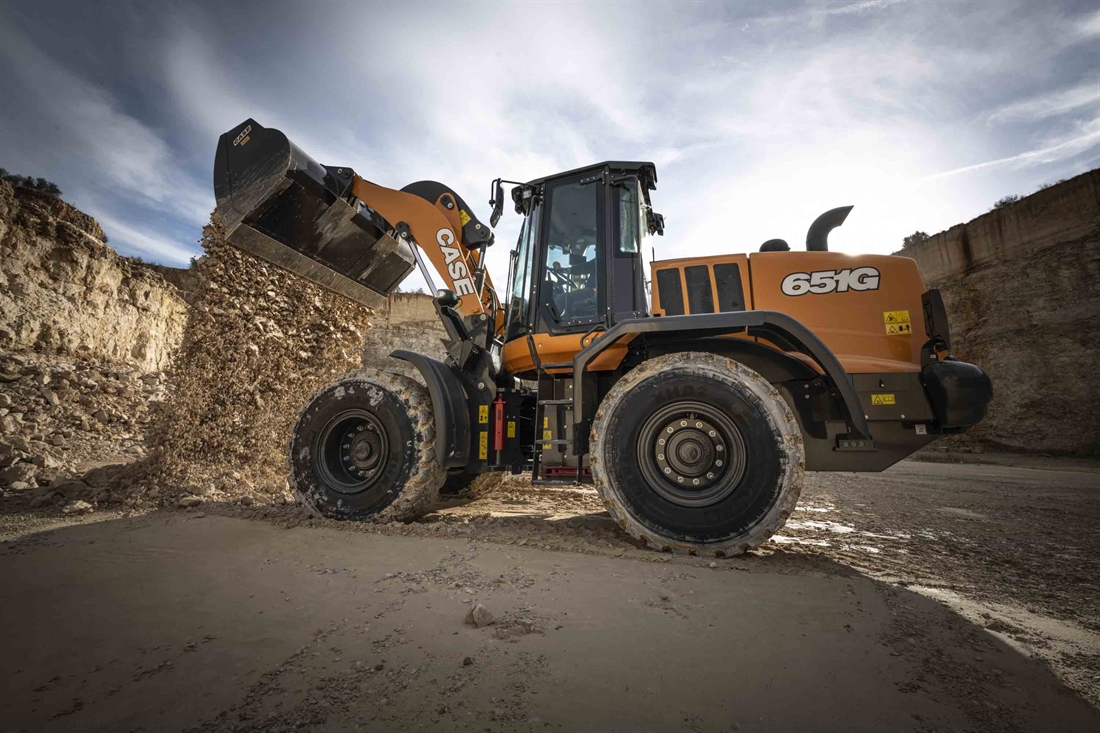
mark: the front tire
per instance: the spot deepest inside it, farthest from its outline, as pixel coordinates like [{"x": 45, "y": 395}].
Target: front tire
[
  {"x": 694, "y": 452},
  {"x": 364, "y": 447}
]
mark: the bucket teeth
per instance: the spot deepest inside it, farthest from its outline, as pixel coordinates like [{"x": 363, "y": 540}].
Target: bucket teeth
[{"x": 279, "y": 204}]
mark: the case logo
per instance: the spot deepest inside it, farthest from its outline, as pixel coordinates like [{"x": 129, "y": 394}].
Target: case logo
[
  {"x": 830, "y": 281},
  {"x": 243, "y": 137},
  {"x": 456, "y": 268}
]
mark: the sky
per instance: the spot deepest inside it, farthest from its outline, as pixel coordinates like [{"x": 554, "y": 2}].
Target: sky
[{"x": 759, "y": 116}]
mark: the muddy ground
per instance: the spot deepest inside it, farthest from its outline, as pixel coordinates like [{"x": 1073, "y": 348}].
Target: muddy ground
[{"x": 932, "y": 597}]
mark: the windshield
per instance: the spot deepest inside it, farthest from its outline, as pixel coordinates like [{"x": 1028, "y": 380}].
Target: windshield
[{"x": 571, "y": 282}]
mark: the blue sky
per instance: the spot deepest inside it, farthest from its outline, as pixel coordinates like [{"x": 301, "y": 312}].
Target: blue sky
[{"x": 759, "y": 116}]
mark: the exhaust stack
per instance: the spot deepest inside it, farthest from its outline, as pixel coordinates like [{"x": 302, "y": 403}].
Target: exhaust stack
[
  {"x": 279, "y": 204},
  {"x": 817, "y": 236}
]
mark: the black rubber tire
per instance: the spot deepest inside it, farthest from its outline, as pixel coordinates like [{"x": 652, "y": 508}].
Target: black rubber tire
[
  {"x": 472, "y": 485},
  {"x": 399, "y": 408},
  {"x": 761, "y": 497}
]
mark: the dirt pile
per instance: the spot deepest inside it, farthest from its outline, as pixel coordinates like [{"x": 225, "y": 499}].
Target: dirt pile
[
  {"x": 64, "y": 292},
  {"x": 59, "y": 419},
  {"x": 259, "y": 341}
]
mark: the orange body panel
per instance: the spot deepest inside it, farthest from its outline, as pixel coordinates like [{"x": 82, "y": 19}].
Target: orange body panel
[
  {"x": 516, "y": 356},
  {"x": 853, "y": 323},
  {"x": 742, "y": 262}
]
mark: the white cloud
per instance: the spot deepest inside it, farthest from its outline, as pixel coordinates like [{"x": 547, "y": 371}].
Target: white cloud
[
  {"x": 150, "y": 245},
  {"x": 1084, "y": 96}
]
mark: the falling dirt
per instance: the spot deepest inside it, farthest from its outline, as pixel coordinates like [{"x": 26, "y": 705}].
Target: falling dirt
[{"x": 258, "y": 343}]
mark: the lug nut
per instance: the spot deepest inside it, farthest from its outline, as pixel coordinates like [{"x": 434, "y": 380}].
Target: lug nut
[
  {"x": 695, "y": 481},
  {"x": 718, "y": 448},
  {"x": 717, "y": 463},
  {"x": 712, "y": 433},
  {"x": 668, "y": 470},
  {"x": 710, "y": 475},
  {"x": 683, "y": 423},
  {"x": 660, "y": 456},
  {"x": 698, "y": 424},
  {"x": 670, "y": 430},
  {"x": 661, "y": 441},
  {"x": 680, "y": 479}
]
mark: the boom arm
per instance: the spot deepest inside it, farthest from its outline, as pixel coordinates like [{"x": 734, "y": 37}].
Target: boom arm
[{"x": 446, "y": 233}]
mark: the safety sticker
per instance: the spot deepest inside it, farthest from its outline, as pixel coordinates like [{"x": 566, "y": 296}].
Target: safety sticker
[
  {"x": 546, "y": 422},
  {"x": 511, "y": 428},
  {"x": 899, "y": 329},
  {"x": 483, "y": 445},
  {"x": 463, "y": 217},
  {"x": 895, "y": 316},
  {"x": 483, "y": 413},
  {"x": 547, "y": 435},
  {"x": 883, "y": 399}
]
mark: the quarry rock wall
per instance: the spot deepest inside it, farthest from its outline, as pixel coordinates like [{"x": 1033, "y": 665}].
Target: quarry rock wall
[
  {"x": 406, "y": 321},
  {"x": 1022, "y": 290},
  {"x": 64, "y": 292}
]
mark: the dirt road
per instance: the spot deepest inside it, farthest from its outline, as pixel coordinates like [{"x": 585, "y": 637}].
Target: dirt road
[{"x": 865, "y": 615}]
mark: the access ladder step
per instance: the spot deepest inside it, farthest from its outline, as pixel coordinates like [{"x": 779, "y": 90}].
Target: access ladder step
[
  {"x": 558, "y": 365},
  {"x": 566, "y": 401},
  {"x": 555, "y": 442}
]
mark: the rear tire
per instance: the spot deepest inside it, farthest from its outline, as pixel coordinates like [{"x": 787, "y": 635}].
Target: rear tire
[
  {"x": 364, "y": 447},
  {"x": 694, "y": 452}
]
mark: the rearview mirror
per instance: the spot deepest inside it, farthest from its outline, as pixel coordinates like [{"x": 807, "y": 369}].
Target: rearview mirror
[{"x": 497, "y": 203}]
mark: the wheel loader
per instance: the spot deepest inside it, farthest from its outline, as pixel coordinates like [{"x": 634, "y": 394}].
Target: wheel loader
[{"x": 693, "y": 393}]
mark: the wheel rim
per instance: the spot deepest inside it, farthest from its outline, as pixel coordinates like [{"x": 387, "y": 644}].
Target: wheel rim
[
  {"x": 691, "y": 454},
  {"x": 351, "y": 451}
]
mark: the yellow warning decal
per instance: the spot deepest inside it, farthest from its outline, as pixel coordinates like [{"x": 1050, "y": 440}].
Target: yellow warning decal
[
  {"x": 483, "y": 413},
  {"x": 547, "y": 435},
  {"x": 899, "y": 329},
  {"x": 511, "y": 428},
  {"x": 883, "y": 399},
  {"x": 895, "y": 316},
  {"x": 463, "y": 217},
  {"x": 245, "y": 141},
  {"x": 546, "y": 422},
  {"x": 483, "y": 445}
]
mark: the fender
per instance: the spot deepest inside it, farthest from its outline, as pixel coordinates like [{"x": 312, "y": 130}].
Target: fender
[
  {"x": 779, "y": 328},
  {"x": 452, "y": 416}
]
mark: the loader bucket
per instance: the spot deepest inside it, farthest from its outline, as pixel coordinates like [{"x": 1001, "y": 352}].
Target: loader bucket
[{"x": 286, "y": 208}]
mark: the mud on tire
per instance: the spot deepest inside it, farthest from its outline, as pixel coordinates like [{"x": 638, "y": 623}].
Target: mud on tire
[
  {"x": 364, "y": 447},
  {"x": 696, "y": 453}
]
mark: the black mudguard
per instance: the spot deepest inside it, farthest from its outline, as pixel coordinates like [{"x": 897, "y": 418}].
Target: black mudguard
[{"x": 452, "y": 415}]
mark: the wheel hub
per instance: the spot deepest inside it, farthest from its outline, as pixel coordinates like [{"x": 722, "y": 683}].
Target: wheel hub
[
  {"x": 691, "y": 454},
  {"x": 352, "y": 451}
]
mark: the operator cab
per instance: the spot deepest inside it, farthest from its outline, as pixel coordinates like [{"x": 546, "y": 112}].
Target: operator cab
[{"x": 581, "y": 260}]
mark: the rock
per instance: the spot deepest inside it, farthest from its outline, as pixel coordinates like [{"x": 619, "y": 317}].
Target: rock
[
  {"x": 246, "y": 501},
  {"x": 187, "y": 502},
  {"x": 7, "y": 424},
  {"x": 713, "y": 565},
  {"x": 51, "y": 397},
  {"x": 78, "y": 507},
  {"x": 280, "y": 500},
  {"x": 19, "y": 486},
  {"x": 5, "y": 401},
  {"x": 44, "y": 498},
  {"x": 57, "y": 439},
  {"x": 467, "y": 661},
  {"x": 42, "y": 378},
  {"x": 480, "y": 616},
  {"x": 18, "y": 472},
  {"x": 72, "y": 489},
  {"x": 45, "y": 460},
  {"x": 100, "y": 415}
]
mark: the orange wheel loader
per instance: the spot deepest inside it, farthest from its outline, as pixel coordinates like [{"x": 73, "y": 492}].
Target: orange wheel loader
[{"x": 693, "y": 393}]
